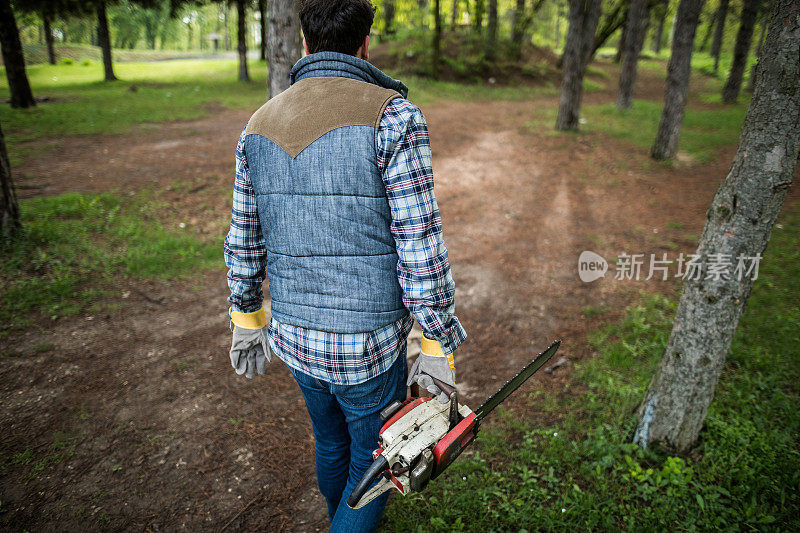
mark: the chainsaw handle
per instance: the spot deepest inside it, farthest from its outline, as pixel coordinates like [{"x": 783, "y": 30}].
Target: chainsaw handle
[
  {"x": 373, "y": 472},
  {"x": 448, "y": 390}
]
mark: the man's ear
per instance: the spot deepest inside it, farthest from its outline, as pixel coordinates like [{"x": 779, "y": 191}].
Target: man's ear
[
  {"x": 305, "y": 46},
  {"x": 365, "y": 48}
]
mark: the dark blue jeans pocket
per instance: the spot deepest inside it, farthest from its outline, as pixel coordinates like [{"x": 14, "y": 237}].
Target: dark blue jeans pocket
[{"x": 367, "y": 394}]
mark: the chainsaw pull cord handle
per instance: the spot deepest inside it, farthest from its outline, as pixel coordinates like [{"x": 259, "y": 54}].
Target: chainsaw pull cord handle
[{"x": 373, "y": 472}]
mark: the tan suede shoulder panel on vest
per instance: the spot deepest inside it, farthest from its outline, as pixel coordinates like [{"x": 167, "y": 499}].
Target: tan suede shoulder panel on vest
[{"x": 314, "y": 106}]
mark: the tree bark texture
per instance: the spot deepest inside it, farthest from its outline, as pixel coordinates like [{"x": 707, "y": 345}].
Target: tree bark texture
[
  {"x": 739, "y": 223},
  {"x": 437, "y": 39},
  {"x": 241, "y": 37},
  {"x": 661, "y": 15},
  {"x": 630, "y": 56},
  {"x": 48, "y": 37},
  {"x": 677, "y": 86},
  {"x": 622, "y": 37},
  {"x": 9, "y": 209},
  {"x": 744, "y": 38},
  {"x": 491, "y": 31},
  {"x": 13, "y": 59},
  {"x": 284, "y": 45},
  {"x": 583, "y": 18},
  {"x": 719, "y": 32},
  {"x": 104, "y": 40},
  {"x": 262, "y": 11}
]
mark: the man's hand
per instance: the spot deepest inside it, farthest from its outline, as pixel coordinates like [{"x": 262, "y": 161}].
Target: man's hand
[
  {"x": 433, "y": 363},
  {"x": 249, "y": 349}
]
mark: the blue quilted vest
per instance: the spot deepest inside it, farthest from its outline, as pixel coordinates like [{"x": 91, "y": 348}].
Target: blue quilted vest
[{"x": 311, "y": 153}]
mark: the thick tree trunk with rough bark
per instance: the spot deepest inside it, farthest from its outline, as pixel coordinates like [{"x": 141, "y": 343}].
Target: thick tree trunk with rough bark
[
  {"x": 630, "y": 56},
  {"x": 14, "y": 61},
  {"x": 48, "y": 38},
  {"x": 284, "y": 45},
  {"x": 678, "y": 70},
  {"x": 241, "y": 36},
  {"x": 491, "y": 31},
  {"x": 262, "y": 11},
  {"x": 740, "y": 51},
  {"x": 738, "y": 225},
  {"x": 719, "y": 31},
  {"x": 104, "y": 40},
  {"x": 9, "y": 210},
  {"x": 437, "y": 39},
  {"x": 583, "y": 18}
]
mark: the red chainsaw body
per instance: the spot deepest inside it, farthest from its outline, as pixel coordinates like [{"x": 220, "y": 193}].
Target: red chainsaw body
[{"x": 452, "y": 444}]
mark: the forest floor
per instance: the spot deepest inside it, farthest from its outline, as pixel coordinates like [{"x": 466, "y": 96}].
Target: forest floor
[{"x": 130, "y": 417}]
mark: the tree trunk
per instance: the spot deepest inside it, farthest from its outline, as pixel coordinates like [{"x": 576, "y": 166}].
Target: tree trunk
[
  {"x": 454, "y": 15},
  {"x": 491, "y": 29},
  {"x": 719, "y": 29},
  {"x": 9, "y": 209},
  {"x": 711, "y": 25},
  {"x": 677, "y": 86},
  {"x": 583, "y": 18},
  {"x": 480, "y": 8},
  {"x": 437, "y": 39},
  {"x": 751, "y": 83},
  {"x": 104, "y": 40},
  {"x": 48, "y": 37},
  {"x": 241, "y": 36},
  {"x": 388, "y": 17},
  {"x": 622, "y": 38},
  {"x": 518, "y": 30},
  {"x": 611, "y": 23},
  {"x": 738, "y": 225},
  {"x": 262, "y": 11},
  {"x": 740, "y": 51},
  {"x": 14, "y": 60},
  {"x": 661, "y": 13},
  {"x": 284, "y": 46},
  {"x": 630, "y": 56}
]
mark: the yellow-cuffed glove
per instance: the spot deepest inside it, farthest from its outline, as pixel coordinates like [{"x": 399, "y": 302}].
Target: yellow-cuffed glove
[
  {"x": 249, "y": 349},
  {"x": 433, "y": 363}
]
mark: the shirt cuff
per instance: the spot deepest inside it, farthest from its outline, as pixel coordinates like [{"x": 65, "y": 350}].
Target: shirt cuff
[{"x": 453, "y": 338}]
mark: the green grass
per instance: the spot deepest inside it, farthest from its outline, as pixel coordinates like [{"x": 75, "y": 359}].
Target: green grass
[
  {"x": 75, "y": 246},
  {"x": 704, "y": 131},
  {"x": 146, "y": 92},
  {"x": 583, "y": 473}
]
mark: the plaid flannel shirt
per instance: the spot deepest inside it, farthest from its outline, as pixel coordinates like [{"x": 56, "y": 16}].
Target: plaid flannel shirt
[{"x": 404, "y": 161}]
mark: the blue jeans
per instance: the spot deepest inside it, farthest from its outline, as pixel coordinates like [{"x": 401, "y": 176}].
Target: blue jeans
[{"x": 346, "y": 420}]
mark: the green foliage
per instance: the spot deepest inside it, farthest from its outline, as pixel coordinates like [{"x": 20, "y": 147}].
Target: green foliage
[
  {"x": 75, "y": 245},
  {"x": 583, "y": 473}
]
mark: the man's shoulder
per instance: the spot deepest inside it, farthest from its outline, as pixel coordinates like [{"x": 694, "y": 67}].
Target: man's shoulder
[{"x": 399, "y": 112}]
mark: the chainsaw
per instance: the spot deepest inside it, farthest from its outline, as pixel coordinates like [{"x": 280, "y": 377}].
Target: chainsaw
[{"x": 421, "y": 437}]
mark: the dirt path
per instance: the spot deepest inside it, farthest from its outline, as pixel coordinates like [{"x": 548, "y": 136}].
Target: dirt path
[{"x": 152, "y": 429}]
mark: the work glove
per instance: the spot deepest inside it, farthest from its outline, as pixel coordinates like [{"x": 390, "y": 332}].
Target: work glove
[
  {"x": 433, "y": 363},
  {"x": 249, "y": 349}
]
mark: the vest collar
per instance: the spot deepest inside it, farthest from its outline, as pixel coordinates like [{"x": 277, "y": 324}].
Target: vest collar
[{"x": 331, "y": 64}]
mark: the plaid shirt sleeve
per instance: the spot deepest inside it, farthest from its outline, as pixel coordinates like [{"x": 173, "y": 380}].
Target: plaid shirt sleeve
[
  {"x": 404, "y": 160},
  {"x": 245, "y": 247}
]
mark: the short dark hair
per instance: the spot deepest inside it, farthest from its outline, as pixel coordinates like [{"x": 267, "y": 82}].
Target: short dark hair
[{"x": 336, "y": 25}]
